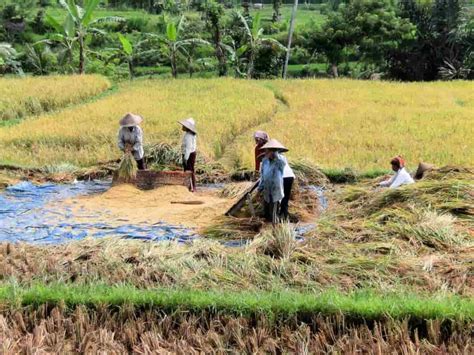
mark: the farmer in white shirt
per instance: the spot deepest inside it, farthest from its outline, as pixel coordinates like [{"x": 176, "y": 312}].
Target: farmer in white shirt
[
  {"x": 288, "y": 179},
  {"x": 401, "y": 177},
  {"x": 188, "y": 148},
  {"x": 130, "y": 138}
]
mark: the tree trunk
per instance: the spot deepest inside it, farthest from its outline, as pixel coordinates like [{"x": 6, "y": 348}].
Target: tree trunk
[
  {"x": 81, "y": 55},
  {"x": 251, "y": 64},
  {"x": 334, "y": 70},
  {"x": 220, "y": 52},
  {"x": 130, "y": 69},
  {"x": 290, "y": 38},
  {"x": 174, "y": 71}
]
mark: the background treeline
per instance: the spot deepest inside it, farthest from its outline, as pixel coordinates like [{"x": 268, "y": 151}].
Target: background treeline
[{"x": 410, "y": 40}]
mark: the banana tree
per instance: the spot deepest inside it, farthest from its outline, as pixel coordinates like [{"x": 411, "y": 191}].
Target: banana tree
[
  {"x": 174, "y": 44},
  {"x": 128, "y": 52},
  {"x": 79, "y": 24},
  {"x": 8, "y": 59},
  {"x": 66, "y": 38},
  {"x": 255, "y": 40}
]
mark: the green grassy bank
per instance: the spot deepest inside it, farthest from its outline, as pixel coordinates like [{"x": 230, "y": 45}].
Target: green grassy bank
[{"x": 364, "y": 304}]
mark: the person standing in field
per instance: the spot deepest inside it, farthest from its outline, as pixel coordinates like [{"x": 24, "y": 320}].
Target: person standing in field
[
  {"x": 188, "y": 149},
  {"x": 401, "y": 177},
  {"x": 261, "y": 138},
  {"x": 271, "y": 179},
  {"x": 288, "y": 179},
  {"x": 130, "y": 138}
]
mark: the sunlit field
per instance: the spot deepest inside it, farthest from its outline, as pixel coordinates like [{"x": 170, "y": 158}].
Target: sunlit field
[
  {"x": 20, "y": 97},
  {"x": 360, "y": 124},
  {"x": 332, "y": 123},
  {"x": 86, "y": 134}
]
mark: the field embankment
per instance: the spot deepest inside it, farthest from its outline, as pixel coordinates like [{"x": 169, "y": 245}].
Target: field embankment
[{"x": 21, "y": 97}]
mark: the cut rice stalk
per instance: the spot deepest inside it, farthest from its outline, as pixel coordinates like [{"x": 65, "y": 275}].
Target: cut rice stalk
[{"x": 128, "y": 167}]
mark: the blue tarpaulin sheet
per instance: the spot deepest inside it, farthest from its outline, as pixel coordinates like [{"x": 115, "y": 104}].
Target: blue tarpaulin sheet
[{"x": 31, "y": 213}]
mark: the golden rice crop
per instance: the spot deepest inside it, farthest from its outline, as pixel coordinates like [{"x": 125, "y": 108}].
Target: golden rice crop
[
  {"x": 20, "y": 97},
  {"x": 328, "y": 123},
  {"x": 85, "y": 135},
  {"x": 361, "y": 124}
]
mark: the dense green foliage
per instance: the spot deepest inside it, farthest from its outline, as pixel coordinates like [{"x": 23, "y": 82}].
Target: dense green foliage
[{"x": 405, "y": 40}]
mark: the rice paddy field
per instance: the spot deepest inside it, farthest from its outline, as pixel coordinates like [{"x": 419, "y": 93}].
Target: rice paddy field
[
  {"x": 372, "y": 271},
  {"x": 333, "y": 124},
  {"x": 35, "y": 95}
]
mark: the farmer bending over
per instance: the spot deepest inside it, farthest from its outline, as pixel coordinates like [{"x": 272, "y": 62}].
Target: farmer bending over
[
  {"x": 130, "y": 138},
  {"x": 188, "y": 148},
  {"x": 271, "y": 178},
  {"x": 401, "y": 177}
]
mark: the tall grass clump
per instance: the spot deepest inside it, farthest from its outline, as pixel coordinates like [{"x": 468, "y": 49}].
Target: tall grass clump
[{"x": 20, "y": 97}]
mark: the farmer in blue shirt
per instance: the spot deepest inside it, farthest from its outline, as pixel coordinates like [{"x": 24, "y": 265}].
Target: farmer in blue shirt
[{"x": 271, "y": 178}]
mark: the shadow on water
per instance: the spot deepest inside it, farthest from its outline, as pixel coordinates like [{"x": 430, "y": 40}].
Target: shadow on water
[{"x": 30, "y": 213}]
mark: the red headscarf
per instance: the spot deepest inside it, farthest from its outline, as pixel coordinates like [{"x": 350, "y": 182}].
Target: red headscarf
[{"x": 399, "y": 161}]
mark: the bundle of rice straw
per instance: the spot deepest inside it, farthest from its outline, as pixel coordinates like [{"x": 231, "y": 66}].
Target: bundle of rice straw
[{"x": 128, "y": 167}]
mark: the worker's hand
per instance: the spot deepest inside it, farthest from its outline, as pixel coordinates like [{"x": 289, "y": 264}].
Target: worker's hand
[{"x": 128, "y": 148}]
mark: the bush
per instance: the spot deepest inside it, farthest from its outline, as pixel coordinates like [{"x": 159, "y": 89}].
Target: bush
[{"x": 139, "y": 24}]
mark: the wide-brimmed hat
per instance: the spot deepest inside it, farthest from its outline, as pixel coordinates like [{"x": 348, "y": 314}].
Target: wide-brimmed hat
[
  {"x": 189, "y": 124},
  {"x": 422, "y": 169},
  {"x": 275, "y": 145},
  {"x": 130, "y": 120},
  {"x": 261, "y": 135}
]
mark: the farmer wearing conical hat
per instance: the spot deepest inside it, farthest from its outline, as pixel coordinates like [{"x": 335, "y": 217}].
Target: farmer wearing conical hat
[
  {"x": 401, "y": 177},
  {"x": 271, "y": 178},
  {"x": 130, "y": 137},
  {"x": 188, "y": 148},
  {"x": 261, "y": 138}
]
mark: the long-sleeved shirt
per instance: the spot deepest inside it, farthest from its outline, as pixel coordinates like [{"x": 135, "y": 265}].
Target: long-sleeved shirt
[
  {"x": 271, "y": 178},
  {"x": 401, "y": 177},
  {"x": 188, "y": 145},
  {"x": 134, "y": 138}
]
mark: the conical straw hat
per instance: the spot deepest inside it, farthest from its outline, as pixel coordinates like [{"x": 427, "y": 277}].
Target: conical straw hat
[
  {"x": 274, "y": 144},
  {"x": 130, "y": 120},
  {"x": 422, "y": 169},
  {"x": 189, "y": 124}
]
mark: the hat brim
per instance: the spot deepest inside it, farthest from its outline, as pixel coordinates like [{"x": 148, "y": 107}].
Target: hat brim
[
  {"x": 131, "y": 121},
  {"x": 279, "y": 150},
  {"x": 187, "y": 125}
]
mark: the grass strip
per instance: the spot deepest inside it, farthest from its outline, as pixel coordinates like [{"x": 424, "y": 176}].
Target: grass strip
[{"x": 365, "y": 304}]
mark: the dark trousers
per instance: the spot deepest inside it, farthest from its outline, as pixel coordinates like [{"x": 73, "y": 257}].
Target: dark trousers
[
  {"x": 141, "y": 164},
  {"x": 287, "y": 185},
  {"x": 188, "y": 165},
  {"x": 271, "y": 211}
]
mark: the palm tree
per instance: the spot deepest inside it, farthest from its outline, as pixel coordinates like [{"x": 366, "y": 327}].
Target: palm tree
[
  {"x": 79, "y": 23},
  {"x": 255, "y": 40}
]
